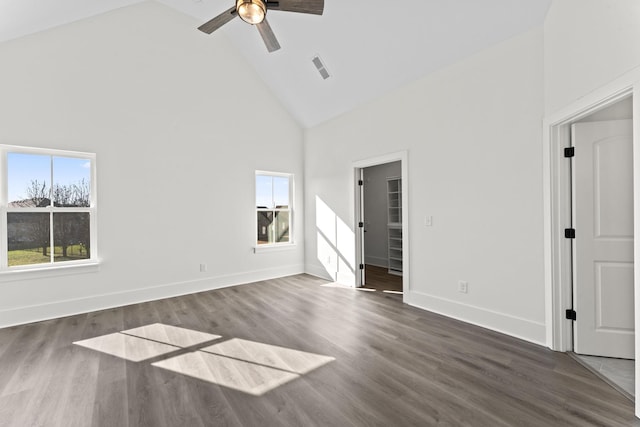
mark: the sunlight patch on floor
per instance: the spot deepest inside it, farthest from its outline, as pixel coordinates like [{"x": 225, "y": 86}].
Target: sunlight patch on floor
[
  {"x": 248, "y": 366},
  {"x": 127, "y": 347},
  {"x": 341, "y": 286},
  {"x": 362, "y": 289},
  {"x": 172, "y": 335},
  {"x": 286, "y": 359},
  {"x": 239, "y": 375},
  {"x": 336, "y": 285}
]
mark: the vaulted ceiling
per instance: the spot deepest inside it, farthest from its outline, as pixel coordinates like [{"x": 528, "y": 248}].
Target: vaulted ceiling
[{"x": 369, "y": 47}]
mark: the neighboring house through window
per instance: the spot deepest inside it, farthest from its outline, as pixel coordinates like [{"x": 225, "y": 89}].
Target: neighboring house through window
[
  {"x": 49, "y": 207},
  {"x": 274, "y": 196}
]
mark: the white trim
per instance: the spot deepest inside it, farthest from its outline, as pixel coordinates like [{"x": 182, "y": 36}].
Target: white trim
[
  {"x": 275, "y": 247},
  {"x": 49, "y": 151},
  {"x": 270, "y": 173},
  {"x": 41, "y": 271},
  {"x": 4, "y": 228},
  {"x": 403, "y": 158},
  {"x": 53, "y": 310},
  {"x": 595, "y": 100},
  {"x": 556, "y": 257},
  {"x": 636, "y": 231},
  {"x": 518, "y": 327},
  {"x": 380, "y": 160}
]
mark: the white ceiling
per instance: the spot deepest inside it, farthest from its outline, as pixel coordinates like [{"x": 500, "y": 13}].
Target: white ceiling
[{"x": 368, "y": 46}]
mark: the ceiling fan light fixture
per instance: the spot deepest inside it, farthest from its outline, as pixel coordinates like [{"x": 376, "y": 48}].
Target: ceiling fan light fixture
[{"x": 251, "y": 11}]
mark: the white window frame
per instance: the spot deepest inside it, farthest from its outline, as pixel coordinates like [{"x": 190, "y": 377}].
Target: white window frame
[
  {"x": 276, "y": 245},
  {"x": 5, "y": 210}
]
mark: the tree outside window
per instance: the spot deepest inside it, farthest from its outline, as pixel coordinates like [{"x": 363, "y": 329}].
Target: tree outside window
[{"x": 50, "y": 207}]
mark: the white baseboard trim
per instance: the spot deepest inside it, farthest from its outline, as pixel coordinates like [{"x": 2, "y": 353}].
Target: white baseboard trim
[
  {"x": 376, "y": 261},
  {"x": 528, "y": 330},
  {"x": 319, "y": 272},
  {"x": 37, "y": 313}
]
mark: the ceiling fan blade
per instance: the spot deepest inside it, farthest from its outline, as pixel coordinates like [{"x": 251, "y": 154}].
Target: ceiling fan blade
[
  {"x": 267, "y": 35},
  {"x": 315, "y": 7},
  {"x": 217, "y": 22}
]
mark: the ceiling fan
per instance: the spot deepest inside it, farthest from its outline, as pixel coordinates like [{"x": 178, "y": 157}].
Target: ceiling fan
[{"x": 254, "y": 12}]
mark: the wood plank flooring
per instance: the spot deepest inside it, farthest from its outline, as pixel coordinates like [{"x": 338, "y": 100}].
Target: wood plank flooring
[
  {"x": 379, "y": 279},
  {"x": 320, "y": 356}
]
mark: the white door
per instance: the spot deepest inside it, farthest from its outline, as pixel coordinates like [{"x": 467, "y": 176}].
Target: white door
[{"x": 603, "y": 245}]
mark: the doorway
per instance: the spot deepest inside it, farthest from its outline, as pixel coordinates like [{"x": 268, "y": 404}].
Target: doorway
[
  {"x": 600, "y": 234},
  {"x": 381, "y": 224},
  {"x": 557, "y": 212},
  {"x": 603, "y": 265},
  {"x": 381, "y": 189}
]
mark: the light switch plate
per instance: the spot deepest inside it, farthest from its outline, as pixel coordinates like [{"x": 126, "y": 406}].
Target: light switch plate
[{"x": 463, "y": 287}]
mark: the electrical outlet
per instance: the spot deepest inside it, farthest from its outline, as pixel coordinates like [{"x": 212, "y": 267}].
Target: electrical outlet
[
  {"x": 203, "y": 268},
  {"x": 463, "y": 287},
  {"x": 428, "y": 221}
]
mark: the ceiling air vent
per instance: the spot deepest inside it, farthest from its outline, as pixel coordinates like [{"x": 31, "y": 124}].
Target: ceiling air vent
[{"x": 321, "y": 67}]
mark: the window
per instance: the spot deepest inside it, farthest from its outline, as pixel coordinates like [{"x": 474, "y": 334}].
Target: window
[
  {"x": 273, "y": 201},
  {"x": 48, "y": 203}
]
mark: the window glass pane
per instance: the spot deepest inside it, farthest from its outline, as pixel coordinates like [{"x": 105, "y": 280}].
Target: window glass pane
[
  {"x": 281, "y": 227},
  {"x": 28, "y": 180},
  {"x": 264, "y": 191},
  {"x": 265, "y": 228},
  {"x": 71, "y": 236},
  {"x": 28, "y": 238},
  {"x": 281, "y": 191},
  {"x": 71, "y": 177},
  {"x": 274, "y": 203}
]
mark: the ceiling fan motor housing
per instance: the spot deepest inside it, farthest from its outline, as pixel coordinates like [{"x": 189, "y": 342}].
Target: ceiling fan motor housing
[
  {"x": 254, "y": 12},
  {"x": 251, "y": 11}
]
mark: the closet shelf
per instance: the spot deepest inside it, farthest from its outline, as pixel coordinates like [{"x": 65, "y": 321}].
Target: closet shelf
[{"x": 394, "y": 225}]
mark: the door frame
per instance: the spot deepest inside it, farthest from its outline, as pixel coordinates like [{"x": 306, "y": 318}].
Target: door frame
[
  {"x": 557, "y": 249},
  {"x": 358, "y": 166}
]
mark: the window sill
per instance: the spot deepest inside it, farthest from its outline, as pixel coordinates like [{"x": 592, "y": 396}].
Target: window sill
[
  {"x": 274, "y": 248},
  {"x": 49, "y": 271}
]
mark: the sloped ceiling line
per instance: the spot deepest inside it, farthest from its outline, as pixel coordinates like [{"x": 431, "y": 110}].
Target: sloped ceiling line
[{"x": 373, "y": 46}]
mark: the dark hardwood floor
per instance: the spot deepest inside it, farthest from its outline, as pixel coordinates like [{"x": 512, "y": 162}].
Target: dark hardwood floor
[
  {"x": 379, "y": 279},
  {"x": 289, "y": 352}
]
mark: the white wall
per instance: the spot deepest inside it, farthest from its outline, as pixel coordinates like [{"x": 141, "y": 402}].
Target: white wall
[
  {"x": 163, "y": 106},
  {"x": 587, "y": 44},
  {"x": 376, "y": 242},
  {"x": 473, "y": 133}
]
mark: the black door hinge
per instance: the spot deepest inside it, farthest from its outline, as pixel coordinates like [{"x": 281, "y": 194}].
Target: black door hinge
[
  {"x": 570, "y": 314},
  {"x": 569, "y": 152},
  {"x": 361, "y": 266},
  {"x": 361, "y": 224},
  {"x": 360, "y": 182},
  {"x": 570, "y": 233}
]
